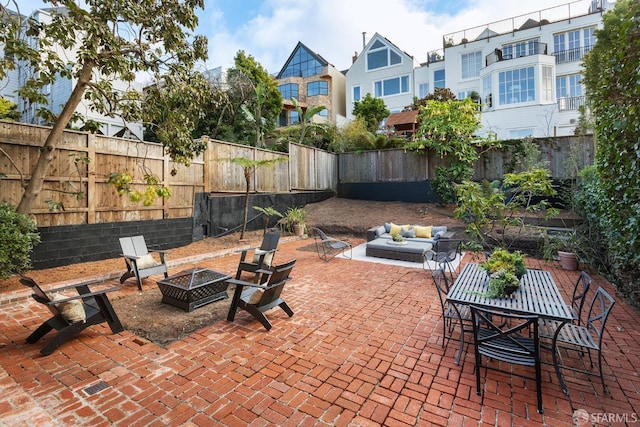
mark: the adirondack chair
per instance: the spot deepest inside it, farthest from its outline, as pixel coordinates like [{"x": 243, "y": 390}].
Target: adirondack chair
[
  {"x": 256, "y": 298},
  {"x": 262, "y": 256},
  {"x": 140, "y": 262},
  {"x": 74, "y": 308}
]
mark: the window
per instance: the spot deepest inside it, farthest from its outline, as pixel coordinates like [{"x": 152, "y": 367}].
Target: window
[
  {"x": 471, "y": 64},
  {"x": 293, "y": 117},
  {"x": 423, "y": 90},
  {"x": 289, "y": 90},
  {"x": 516, "y": 86},
  {"x": 324, "y": 113},
  {"x": 520, "y": 49},
  {"x": 390, "y": 87},
  {"x": 486, "y": 91},
  {"x": 303, "y": 64},
  {"x": 438, "y": 79},
  {"x": 318, "y": 88},
  {"x": 282, "y": 119},
  {"x": 520, "y": 133},
  {"x": 547, "y": 84},
  {"x": 570, "y": 85},
  {"x": 380, "y": 56},
  {"x": 356, "y": 93},
  {"x": 589, "y": 38}
]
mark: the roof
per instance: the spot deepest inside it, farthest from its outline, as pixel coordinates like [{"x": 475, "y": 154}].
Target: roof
[{"x": 403, "y": 117}]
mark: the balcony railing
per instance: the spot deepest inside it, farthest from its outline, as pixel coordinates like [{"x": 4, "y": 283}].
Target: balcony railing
[
  {"x": 532, "y": 49},
  {"x": 570, "y": 103},
  {"x": 571, "y": 55}
]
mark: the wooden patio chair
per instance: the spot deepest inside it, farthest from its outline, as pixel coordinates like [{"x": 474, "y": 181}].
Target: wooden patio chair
[
  {"x": 328, "y": 247},
  {"x": 256, "y": 298},
  {"x": 74, "y": 308},
  {"x": 262, "y": 256},
  {"x": 140, "y": 261}
]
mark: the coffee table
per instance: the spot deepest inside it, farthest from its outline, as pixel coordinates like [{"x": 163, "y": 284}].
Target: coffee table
[{"x": 193, "y": 288}]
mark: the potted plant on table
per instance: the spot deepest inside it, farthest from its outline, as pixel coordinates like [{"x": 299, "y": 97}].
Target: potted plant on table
[
  {"x": 502, "y": 283},
  {"x": 502, "y": 259}
]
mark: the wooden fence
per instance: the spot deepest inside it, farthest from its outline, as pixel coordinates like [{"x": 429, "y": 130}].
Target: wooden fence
[
  {"x": 79, "y": 173},
  {"x": 396, "y": 165}
]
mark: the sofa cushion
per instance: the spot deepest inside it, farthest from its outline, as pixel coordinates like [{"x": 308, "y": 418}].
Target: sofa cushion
[
  {"x": 422, "y": 231},
  {"x": 380, "y": 231},
  {"x": 395, "y": 229},
  {"x": 408, "y": 231}
]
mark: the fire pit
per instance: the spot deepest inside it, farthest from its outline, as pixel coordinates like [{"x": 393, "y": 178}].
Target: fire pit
[{"x": 194, "y": 288}]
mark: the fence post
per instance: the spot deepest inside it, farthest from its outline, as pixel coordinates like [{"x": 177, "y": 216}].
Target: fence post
[{"x": 91, "y": 178}]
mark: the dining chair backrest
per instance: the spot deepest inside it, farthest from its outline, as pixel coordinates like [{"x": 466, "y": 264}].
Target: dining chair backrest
[
  {"x": 510, "y": 338},
  {"x": 599, "y": 310},
  {"x": 579, "y": 293}
]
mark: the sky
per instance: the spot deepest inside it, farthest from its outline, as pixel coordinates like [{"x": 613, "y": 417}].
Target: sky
[{"x": 269, "y": 30}]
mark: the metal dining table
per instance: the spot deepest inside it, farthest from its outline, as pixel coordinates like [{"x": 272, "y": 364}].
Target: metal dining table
[{"x": 537, "y": 295}]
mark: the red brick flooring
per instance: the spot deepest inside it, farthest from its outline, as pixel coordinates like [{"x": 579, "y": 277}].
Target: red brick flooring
[{"x": 363, "y": 348}]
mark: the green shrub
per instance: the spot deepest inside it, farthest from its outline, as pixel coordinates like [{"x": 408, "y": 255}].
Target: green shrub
[{"x": 18, "y": 236}]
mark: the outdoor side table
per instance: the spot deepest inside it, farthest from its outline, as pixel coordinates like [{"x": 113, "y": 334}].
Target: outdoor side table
[{"x": 194, "y": 288}]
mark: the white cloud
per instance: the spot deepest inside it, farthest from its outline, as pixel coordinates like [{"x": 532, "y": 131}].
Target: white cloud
[{"x": 333, "y": 28}]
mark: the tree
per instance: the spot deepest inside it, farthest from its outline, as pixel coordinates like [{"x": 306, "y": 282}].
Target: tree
[
  {"x": 249, "y": 166},
  {"x": 611, "y": 81},
  {"x": 371, "y": 110},
  {"x": 448, "y": 127},
  {"x": 111, "y": 40},
  {"x": 266, "y": 102},
  {"x": 8, "y": 110},
  {"x": 306, "y": 118}
]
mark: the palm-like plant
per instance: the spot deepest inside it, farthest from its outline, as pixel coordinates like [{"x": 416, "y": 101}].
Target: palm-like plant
[{"x": 306, "y": 118}]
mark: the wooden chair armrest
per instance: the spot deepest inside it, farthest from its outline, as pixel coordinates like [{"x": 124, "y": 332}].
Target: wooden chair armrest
[
  {"x": 74, "y": 286},
  {"x": 79, "y": 296},
  {"x": 131, "y": 257}
]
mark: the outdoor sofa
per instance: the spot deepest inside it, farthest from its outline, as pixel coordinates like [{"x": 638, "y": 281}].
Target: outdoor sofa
[{"x": 417, "y": 240}]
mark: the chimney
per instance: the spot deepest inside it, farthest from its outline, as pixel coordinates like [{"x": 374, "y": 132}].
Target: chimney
[{"x": 364, "y": 40}]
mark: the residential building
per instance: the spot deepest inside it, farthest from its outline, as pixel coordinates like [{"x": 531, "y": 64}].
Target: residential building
[
  {"x": 383, "y": 70},
  {"x": 313, "y": 81},
  {"x": 60, "y": 90},
  {"x": 526, "y": 70}
]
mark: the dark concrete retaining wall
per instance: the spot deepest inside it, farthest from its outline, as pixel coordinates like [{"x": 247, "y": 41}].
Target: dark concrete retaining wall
[
  {"x": 216, "y": 215},
  {"x": 71, "y": 244},
  {"x": 409, "y": 192}
]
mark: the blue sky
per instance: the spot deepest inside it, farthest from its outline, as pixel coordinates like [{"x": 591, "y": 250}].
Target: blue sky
[{"x": 270, "y": 29}]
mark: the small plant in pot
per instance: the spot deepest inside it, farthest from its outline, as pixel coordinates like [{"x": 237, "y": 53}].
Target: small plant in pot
[
  {"x": 502, "y": 283},
  {"x": 295, "y": 220},
  {"x": 564, "y": 246},
  {"x": 397, "y": 237},
  {"x": 502, "y": 259}
]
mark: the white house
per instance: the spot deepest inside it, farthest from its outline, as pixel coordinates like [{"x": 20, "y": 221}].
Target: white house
[
  {"x": 384, "y": 71},
  {"x": 58, "y": 93},
  {"x": 526, "y": 70}
]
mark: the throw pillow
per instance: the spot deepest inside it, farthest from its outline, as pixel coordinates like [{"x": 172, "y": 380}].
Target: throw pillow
[
  {"x": 408, "y": 232},
  {"x": 267, "y": 258},
  {"x": 146, "y": 261},
  {"x": 380, "y": 231},
  {"x": 72, "y": 311},
  {"x": 424, "y": 232},
  {"x": 395, "y": 229},
  {"x": 255, "y": 297},
  {"x": 387, "y": 227}
]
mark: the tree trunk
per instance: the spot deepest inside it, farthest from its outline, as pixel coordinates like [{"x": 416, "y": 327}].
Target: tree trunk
[
  {"x": 39, "y": 173},
  {"x": 247, "y": 177}
]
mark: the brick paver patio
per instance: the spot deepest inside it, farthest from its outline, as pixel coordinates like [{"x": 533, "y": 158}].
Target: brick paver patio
[{"x": 363, "y": 348}]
